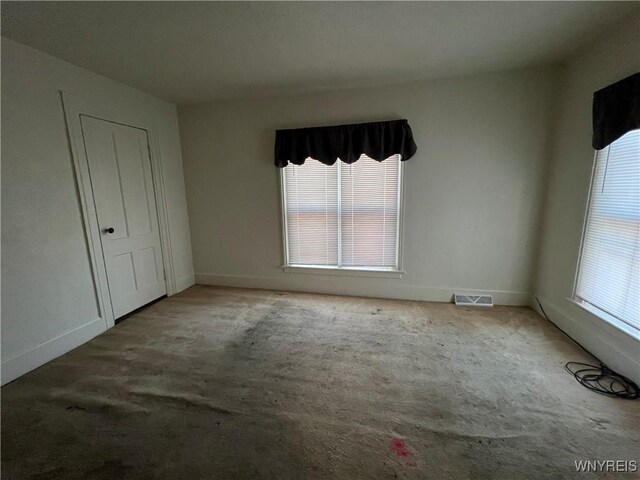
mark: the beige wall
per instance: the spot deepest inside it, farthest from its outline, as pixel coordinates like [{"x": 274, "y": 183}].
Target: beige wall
[
  {"x": 611, "y": 58},
  {"x": 472, "y": 192},
  {"x": 48, "y": 300}
]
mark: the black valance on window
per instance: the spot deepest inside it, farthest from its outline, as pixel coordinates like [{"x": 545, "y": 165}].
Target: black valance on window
[
  {"x": 377, "y": 140},
  {"x": 616, "y": 111}
]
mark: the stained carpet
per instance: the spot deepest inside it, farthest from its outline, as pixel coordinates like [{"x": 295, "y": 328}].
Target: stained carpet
[{"x": 231, "y": 383}]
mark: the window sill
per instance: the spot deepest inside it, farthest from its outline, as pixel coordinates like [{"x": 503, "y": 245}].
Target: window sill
[
  {"x": 349, "y": 272},
  {"x": 606, "y": 317}
]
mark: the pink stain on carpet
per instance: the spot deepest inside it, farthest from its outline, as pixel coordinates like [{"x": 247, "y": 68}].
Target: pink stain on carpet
[{"x": 401, "y": 451}]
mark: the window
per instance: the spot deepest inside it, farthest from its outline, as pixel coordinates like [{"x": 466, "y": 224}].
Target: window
[
  {"x": 342, "y": 216},
  {"x": 608, "y": 276}
]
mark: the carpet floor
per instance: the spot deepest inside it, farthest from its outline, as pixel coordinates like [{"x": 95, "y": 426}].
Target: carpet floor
[{"x": 231, "y": 383}]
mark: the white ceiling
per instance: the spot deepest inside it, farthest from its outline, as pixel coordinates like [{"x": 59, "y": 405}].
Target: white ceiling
[{"x": 188, "y": 52}]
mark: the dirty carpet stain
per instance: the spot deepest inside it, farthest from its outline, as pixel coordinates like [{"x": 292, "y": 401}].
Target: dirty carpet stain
[{"x": 401, "y": 451}]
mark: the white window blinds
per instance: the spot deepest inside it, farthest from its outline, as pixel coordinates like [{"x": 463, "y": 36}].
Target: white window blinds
[
  {"x": 610, "y": 263},
  {"x": 311, "y": 205},
  {"x": 370, "y": 212},
  {"x": 343, "y": 216}
]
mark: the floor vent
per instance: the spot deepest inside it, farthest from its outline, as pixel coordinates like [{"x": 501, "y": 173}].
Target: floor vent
[{"x": 473, "y": 300}]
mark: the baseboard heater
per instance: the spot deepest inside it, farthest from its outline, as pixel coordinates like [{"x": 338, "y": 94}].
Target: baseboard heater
[{"x": 467, "y": 300}]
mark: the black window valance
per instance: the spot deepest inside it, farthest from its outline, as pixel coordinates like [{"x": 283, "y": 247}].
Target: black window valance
[
  {"x": 377, "y": 140},
  {"x": 616, "y": 111}
]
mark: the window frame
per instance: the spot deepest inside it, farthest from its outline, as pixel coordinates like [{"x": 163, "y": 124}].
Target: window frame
[
  {"x": 576, "y": 299},
  {"x": 339, "y": 270}
]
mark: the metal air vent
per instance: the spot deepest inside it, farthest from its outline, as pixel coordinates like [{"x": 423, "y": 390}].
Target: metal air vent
[{"x": 473, "y": 300}]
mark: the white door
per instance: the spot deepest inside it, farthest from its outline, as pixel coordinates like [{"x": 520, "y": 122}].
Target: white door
[{"x": 120, "y": 171}]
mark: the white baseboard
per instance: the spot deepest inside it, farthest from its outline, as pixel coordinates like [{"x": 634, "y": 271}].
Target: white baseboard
[
  {"x": 359, "y": 287},
  {"x": 610, "y": 345},
  {"x": 22, "y": 363}
]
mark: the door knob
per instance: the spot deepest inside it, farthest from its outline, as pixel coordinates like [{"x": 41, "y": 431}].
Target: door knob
[{"x": 109, "y": 230}]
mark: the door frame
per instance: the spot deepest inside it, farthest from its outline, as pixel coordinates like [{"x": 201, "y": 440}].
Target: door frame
[{"x": 74, "y": 107}]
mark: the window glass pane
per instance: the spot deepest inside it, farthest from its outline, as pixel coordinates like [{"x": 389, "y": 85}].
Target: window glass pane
[
  {"x": 370, "y": 212},
  {"x": 610, "y": 262},
  {"x": 311, "y": 198}
]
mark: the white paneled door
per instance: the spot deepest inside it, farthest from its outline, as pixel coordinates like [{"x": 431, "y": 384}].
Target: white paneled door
[{"x": 121, "y": 178}]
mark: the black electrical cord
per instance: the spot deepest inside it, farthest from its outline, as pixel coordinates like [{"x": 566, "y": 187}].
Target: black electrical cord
[
  {"x": 603, "y": 380},
  {"x": 600, "y": 379}
]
